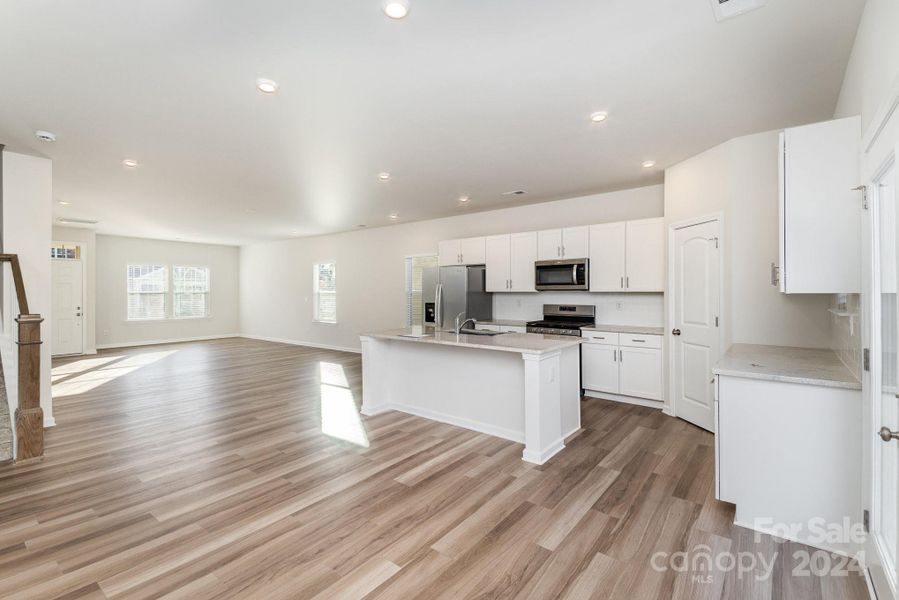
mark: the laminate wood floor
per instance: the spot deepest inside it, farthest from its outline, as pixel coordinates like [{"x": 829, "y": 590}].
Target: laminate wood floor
[{"x": 241, "y": 469}]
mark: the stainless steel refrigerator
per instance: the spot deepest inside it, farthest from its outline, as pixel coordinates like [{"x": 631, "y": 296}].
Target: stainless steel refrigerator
[{"x": 449, "y": 291}]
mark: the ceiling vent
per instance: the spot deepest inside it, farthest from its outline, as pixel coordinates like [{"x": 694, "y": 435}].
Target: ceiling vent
[{"x": 727, "y": 9}]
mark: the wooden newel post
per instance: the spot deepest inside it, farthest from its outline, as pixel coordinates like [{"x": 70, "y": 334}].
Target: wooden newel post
[{"x": 29, "y": 414}]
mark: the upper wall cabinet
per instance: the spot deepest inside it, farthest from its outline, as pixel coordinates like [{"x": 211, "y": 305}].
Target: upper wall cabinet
[
  {"x": 628, "y": 257},
  {"x": 470, "y": 251},
  {"x": 570, "y": 242},
  {"x": 820, "y": 213},
  {"x": 510, "y": 262}
]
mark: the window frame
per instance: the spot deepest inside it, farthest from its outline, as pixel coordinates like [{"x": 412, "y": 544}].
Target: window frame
[
  {"x": 165, "y": 293},
  {"x": 208, "y": 292},
  {"x": 316, "y": 292}
]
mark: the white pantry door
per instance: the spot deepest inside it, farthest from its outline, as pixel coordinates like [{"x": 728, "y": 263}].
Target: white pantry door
[
  {"x": 695, "y": 329},
  {"x": 883, "y": 564},
  {"x": 67, "y": 304}
]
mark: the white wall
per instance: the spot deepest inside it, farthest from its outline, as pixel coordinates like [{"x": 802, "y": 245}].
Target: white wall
[
  {"x": 115, "y": 253},
  {"x": 87, "y": 239},
  {"x": 27, "y": 219},
  {"x": 739, "y": 179},
  {"x": 276, "y": 277}
]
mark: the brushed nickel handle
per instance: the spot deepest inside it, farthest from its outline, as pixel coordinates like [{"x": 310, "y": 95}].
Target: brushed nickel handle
[
  {"x": 675, "y": 332},
  {"x": 887, "y": 435}
]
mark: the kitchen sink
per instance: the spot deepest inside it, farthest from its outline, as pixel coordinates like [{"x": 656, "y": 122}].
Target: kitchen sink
[{"x": 482, "y": 332}]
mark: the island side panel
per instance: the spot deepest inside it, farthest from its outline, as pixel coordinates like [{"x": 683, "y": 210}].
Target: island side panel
[
  {"x": 571, "y": 390},
  {"x": 375, "y": 375},
  {"x": 542, "y": 406},
  {"x": 478, "y": 389}
]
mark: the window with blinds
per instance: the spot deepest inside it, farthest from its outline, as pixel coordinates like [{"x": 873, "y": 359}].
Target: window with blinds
[
  {"x": 190, "y": 297},
  {"x": 325, "y": 283},
  {"x": 415, "y": 265},
  {"x": 147, "y": 291}
]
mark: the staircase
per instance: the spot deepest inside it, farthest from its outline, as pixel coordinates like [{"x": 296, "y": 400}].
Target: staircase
[{"x": 5, "y": 423}]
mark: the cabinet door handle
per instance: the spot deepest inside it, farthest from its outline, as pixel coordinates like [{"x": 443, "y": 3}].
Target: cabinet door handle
[
  {"x": 638, "y": 341},
  {"x": 627, "y": 282},
  {"x": 620, "y": 356},
  {"x": 622, "y": 283},
  {"x": 614, "y": 356},
  {"x": 563, "y": 251}
]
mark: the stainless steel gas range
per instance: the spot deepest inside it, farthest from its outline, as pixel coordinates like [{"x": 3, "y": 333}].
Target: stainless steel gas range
[{"x": 564, "y": 319}]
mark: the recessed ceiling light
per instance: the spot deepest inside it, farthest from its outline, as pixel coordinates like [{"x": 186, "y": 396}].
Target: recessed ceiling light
[
  {"x": 64, "y": 202},
  {"x": 394, "y": 216},
  {"x": 130, "y": 163},
  {"x": 384, "y": 176},
  {"x": 396, "y": 9},
  {"x": 464, "y": 199},
  {"x": 45, "y": 136},
  {"x": 266, "y": 86},
  {"x": 599, "y": 117},
  {"x": 648, "y": 164}
]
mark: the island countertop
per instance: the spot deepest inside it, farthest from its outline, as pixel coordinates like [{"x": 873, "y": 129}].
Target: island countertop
[
  {"x": 790, "y": 365},
  {"x": 522, "y": 343}
]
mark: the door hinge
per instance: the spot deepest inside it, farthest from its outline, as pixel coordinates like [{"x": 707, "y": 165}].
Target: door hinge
[
  {"x": 866, "y": 359},
  {"x": 866, "y": 520},
  {"x": 714, "y": 239},
  {"x": 864, "y": 190}
]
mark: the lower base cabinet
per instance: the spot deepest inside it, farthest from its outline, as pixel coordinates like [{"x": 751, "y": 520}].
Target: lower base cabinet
[{"x": 625, "y": 364}]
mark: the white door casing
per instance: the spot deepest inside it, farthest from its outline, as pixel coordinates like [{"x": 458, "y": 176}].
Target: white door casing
[
  {"x": 68, "y": 302},
  {"x": 882, "y": 551},
  {"x": 696, "y": 297}
]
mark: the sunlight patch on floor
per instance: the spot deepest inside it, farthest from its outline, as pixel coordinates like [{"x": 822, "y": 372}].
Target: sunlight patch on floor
[
  {"x": 80, "y": 366},
  {"x": 340, "y": 416},
  {"x": 93, "y": 379}
]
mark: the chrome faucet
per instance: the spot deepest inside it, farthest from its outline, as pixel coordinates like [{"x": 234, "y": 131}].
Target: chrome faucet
[{"x": 460, "y": 326}]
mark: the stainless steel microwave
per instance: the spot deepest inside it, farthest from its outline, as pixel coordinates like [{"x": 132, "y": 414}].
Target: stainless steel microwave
[{"x": 569, "y": 274}]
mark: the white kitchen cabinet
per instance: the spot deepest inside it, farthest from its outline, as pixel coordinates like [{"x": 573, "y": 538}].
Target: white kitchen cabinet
[
  {"x": 599, "y": 367},
  {"x": 499, "y": 263},
  {"x": 473, "y": 251},
  {"x": 523, "y": 255},
  {"x": 607, "y": 257},
  {"x": 624, "y": 365},
  {"x": 570, "y": 242},
  {"x": 645, "y": 252},
  {"x": 510, "y": 262},
  {"x": 469, "y": 251},
  {"x": 820, "y": 214},
  {"x": 640, "y": 372},
  {"x": 628, "y": 256},
  {"x": 449, "y": 252}
]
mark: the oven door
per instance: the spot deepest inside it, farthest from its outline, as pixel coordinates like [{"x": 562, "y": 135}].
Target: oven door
[{"x": 562, "y": 274}]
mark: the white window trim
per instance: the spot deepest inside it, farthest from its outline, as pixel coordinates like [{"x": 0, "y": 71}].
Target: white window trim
[{"x": 315, "y": 292}]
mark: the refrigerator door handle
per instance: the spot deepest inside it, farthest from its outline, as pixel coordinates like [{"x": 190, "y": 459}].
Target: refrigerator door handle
[{"x": 438, "y": 309}]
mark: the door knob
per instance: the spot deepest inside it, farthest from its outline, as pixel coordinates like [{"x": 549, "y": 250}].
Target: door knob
[
  {"x": 675, "y": 332},
  {"x": 887, "y": 435}
]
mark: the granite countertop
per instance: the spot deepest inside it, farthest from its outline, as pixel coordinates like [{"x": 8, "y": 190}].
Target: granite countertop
[
  {"x": 525, "y": 343},
  {"x": 504, "y": 322},
  {"x": 637, "y": 329},
  {"x": 791, "y": 365}
]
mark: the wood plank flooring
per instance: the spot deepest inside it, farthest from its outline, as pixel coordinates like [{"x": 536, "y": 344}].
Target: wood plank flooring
[{"x": 241, "y": 469}]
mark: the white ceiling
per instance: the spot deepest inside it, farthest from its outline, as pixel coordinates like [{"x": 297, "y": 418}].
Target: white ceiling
[{"x": 462, "y": 97}]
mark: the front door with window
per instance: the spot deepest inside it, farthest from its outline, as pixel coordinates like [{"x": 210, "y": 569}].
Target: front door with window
[{"x": 67, "y": 316}]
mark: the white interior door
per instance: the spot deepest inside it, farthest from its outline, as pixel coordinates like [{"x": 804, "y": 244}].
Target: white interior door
[
  {"x": 883, "y": 563},
  {"x": 695, "y": 329},
  {"x": 67, "y": 315}
]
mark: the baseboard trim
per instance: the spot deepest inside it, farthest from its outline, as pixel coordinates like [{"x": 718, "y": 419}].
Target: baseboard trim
[
  {"x": 263, "y": 338},
  {"x": 500, "y": 432},
  {"x": 626, "y": 399},
  {"x": 201, "y": 338},
  {"x": 539, "y": 458}
]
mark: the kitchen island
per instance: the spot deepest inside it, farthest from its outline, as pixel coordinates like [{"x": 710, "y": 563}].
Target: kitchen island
[{"x": 523, "y": 387}]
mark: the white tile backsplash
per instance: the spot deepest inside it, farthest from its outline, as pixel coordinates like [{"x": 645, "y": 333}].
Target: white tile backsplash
[{"x": 611, "y": 309}]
